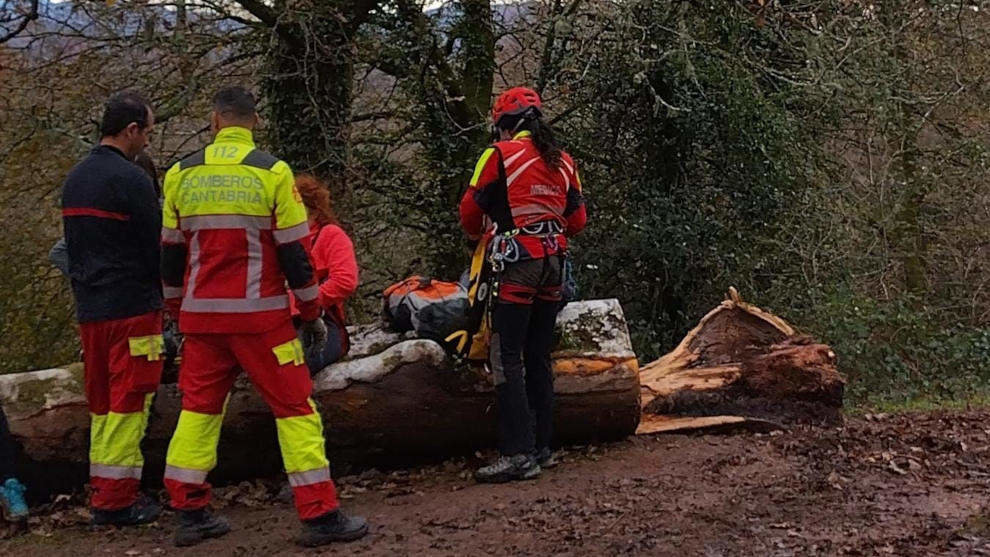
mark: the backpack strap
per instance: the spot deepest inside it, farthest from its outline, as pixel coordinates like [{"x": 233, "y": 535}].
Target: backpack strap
[
  {"x": 493, "y": 197},
  {"x": 501, "y": 210}
]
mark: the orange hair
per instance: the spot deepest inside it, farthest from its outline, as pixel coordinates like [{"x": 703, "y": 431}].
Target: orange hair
[{"x": 316, "y": 197}]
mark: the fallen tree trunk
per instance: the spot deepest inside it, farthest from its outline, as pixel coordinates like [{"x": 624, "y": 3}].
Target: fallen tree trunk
[
  {"x": 394, "y": 400},
  {"x": 741, "y": 364}
]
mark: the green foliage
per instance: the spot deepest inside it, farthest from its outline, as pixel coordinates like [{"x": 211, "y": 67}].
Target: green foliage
[
  {"x": 444, "y": 98},
  {"x": 690, "y": 168},
  {"x": 36, "y": 335},
  {"x": 36, "y": 310},
  {"x": 898, "y": 351}
]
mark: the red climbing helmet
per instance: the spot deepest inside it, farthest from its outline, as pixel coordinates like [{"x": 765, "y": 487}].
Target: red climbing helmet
[{"x": 515, "y": 101}]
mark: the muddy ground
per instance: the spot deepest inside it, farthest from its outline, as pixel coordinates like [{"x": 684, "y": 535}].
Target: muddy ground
[{"x": 912, "y": 484}]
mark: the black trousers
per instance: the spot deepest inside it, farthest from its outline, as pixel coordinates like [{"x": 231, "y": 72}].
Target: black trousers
[
  {"x": 8, "y": 449},
  {"x": 331, "y": 352},
  {"x": 522, "y": 337}
]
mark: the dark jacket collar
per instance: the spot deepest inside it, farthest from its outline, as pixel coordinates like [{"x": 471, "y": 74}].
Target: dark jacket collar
[{"x": 100, "y": 148}]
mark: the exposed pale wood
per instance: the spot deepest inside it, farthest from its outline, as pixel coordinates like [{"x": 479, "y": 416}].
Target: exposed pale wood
[
  {"x": 658, "y": 423},
  {"x": 690, "y": 352},
  {"x": 742, "y": 361},
  {"x": 697, "y": 379}
]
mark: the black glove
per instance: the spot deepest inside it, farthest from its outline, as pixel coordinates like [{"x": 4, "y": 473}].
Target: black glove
[
  {"x": 172, "y": 337},
  {"x": 313, "y": 335}
]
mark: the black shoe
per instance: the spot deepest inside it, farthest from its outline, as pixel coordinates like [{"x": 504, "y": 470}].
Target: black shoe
[
  {"x": 545, "y": 458},
  {"x": 508, "y": 468},
  {"x": 332, "y": 527},
  {"x": 143, "y": 511},
  {"x": 198, "y": 525}
]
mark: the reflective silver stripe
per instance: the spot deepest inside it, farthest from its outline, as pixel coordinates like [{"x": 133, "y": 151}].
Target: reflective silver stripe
[
  {"x": 569, "y": 167},
  {"x": 172, "y": 291},
  {"x": 309, "y": 477},
  {"x": 173, "y": 236},
  {"x": 185, "y": 475},
  {"x": 219, "y": 222},
  {"x": 291, "y": 234},
  {"x": 513, "y": 158},
  {"x": 514, "y": 175},
  {"x": 567, "y": 180},
  {"x": 193, "y": 264},
  {"x": 112, "y": 472},
  {"x": 253, "y": 288},
  {"x": 307, "y": 294},
  {"x": 234, "y": 305}
]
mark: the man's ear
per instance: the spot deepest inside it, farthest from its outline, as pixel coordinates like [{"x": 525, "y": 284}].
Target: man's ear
[
  {"x": 132, "y": 129},
  {"x": 214, "y": 122}
]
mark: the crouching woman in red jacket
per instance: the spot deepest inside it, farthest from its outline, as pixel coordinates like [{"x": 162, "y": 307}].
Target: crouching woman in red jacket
[{"x": 335, "y": 268}]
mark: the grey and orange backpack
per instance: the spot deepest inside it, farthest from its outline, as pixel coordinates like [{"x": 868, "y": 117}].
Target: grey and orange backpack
[{"x": 433, "y": 309}]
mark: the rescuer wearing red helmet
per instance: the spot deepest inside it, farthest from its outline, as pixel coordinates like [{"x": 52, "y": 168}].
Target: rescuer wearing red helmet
[{"x": 524, "y": 201}]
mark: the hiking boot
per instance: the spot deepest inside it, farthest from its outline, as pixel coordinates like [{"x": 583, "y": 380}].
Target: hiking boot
[
  {"x": 199, "y": 525},
  {"x": 545, "y": 458},
  {"x": 332, "y": 527},
  {"x": 508, "y": 468},
  {"x": 15, "y": 509},
  {"x": 142, "y": 511}
]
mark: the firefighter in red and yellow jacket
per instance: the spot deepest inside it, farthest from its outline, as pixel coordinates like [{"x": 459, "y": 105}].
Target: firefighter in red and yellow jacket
[
  {"x": 234, "y": 234},
  {"x": 524, "y": 201}
]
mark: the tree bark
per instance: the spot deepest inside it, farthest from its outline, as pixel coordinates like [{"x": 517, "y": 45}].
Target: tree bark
[
  {"x": 395, "y": 401},
  {"x": 307, "y": 83}
]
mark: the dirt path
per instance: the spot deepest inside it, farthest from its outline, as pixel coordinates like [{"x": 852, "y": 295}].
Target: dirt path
[{"x": 901, "y": 485}]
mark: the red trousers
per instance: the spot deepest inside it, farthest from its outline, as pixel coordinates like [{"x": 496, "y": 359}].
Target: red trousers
[
  {"x": 274, "y": 362},
  {"x": 123, "y": 365}
]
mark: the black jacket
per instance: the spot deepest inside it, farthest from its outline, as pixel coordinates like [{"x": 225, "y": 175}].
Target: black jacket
[{"x": 113, "y": 224}]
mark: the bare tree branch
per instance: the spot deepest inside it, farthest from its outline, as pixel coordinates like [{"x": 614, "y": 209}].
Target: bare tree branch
[
  {"x": 28, "y": 18},
  {"x": 260, "y": 10}
]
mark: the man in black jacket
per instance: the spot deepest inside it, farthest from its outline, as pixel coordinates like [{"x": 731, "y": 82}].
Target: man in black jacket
[{"x": 112, "y": 223}]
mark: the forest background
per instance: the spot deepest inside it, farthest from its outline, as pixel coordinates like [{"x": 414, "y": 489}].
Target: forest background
[{"x": 829, "y": 158}]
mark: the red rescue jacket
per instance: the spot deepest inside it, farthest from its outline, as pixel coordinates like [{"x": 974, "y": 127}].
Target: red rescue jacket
[
  {"x": 535, "y": 193},
  {"x": 336, "y": 269},
  {"x": 233, "y": 240}
]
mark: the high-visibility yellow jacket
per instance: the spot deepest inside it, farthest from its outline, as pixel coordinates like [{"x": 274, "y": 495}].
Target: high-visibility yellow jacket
[{"x": 234, "y": 232}]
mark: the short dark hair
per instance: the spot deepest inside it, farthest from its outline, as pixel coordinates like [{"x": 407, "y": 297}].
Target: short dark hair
[
  {"x": 121, "y": 110},
  {"x": 236, "y": 101}
]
